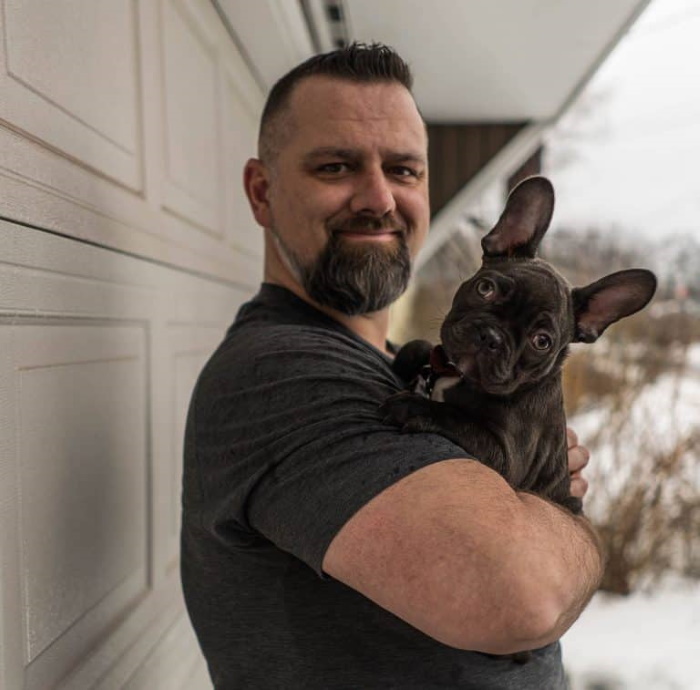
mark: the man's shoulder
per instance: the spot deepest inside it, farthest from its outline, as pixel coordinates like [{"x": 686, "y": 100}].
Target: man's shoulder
[
  {"x": 269, "y": 350},
  {"x": 286, "y": 339},
  {"x": 276, "y": 320}
]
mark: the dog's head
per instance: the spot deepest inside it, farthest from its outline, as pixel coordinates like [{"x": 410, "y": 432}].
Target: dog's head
[{"x": 511, "y": 323}]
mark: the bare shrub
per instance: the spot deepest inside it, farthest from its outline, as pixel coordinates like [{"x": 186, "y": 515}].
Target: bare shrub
[
  {"x": 645, "y": 472},
  {"x": 649, "y": 524},
  {"x": 586, "y": 383},
  {"x": 631, "y": 355}
]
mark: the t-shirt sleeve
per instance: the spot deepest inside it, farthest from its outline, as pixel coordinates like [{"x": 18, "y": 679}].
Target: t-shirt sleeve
[{"x": 291, "y": 445}]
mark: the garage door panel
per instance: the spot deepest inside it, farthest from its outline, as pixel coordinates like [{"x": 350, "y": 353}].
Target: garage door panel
[{"x": 93, "y": 116}]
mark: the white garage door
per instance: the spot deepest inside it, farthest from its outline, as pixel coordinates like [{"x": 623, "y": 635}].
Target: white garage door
[{"x": 126, "y": 247}]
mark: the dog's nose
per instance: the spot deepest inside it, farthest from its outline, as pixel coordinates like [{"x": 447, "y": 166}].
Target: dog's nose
[{"x": 491, "y": 338}]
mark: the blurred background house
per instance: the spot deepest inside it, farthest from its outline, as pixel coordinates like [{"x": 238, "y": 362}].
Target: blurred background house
[{"x": 126, "y": 247}]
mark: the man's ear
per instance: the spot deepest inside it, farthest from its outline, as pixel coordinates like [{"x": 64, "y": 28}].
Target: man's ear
[
  {"x": 256, "y": 182},
  {"x": 524, "y": 221},
  {"x": 610, "y": 299}
]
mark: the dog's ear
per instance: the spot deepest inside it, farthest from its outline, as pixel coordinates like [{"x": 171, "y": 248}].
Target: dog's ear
[
  {"x": 523, "y": 222},
  {"x": 610, "y": 299}
]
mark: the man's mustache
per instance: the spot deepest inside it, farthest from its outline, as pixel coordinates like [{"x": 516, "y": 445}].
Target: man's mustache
[{"x": 369, "y": 224}]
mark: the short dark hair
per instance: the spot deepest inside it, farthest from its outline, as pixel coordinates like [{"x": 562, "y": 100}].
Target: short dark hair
[{"x": 357, "y": 62}]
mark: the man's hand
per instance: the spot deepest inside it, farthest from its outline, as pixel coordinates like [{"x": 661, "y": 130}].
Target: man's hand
[{"x": 578, "y": 459}]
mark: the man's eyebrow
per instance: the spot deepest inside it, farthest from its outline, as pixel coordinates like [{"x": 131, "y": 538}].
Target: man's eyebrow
[
  {"x": 406, "y": 157},
  {"x": 330, "y": 152},
  {"x": 353, "y": 154}
]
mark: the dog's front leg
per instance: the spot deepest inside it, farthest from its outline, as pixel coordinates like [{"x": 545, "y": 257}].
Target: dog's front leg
[
  {"x": 411, "y": 412},
  {"x": 416, "y": 414}
]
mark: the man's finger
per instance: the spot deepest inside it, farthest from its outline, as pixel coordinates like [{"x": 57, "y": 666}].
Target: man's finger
[
  {"x": 571, "y": 438},
  {"x": 579, "y": 485},
  {"x": 578, "y": 458}
]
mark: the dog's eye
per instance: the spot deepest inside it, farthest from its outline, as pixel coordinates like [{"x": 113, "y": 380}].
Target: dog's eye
[
  {"x": 541, "y": 341},
  {"x": 486, "y": 288}
]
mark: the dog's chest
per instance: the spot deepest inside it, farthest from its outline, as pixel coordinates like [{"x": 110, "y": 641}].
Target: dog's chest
[
  {"x": 443, "y": 384},
  {"x": 432, "y": 385}
]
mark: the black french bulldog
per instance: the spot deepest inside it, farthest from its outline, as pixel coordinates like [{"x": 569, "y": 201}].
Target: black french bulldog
[{"x": 494, "y": 385}]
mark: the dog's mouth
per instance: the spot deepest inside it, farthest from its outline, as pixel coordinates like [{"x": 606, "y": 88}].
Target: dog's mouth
[
  {"x": 483, "y": 373},
  {"x": 486, "y": 370},
  {"x": 441, "y": 364}
]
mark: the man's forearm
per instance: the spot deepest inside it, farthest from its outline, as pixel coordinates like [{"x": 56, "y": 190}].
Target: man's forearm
[
  {"x": 567, "y": 555},
  {"x": 454, "y": 551}
]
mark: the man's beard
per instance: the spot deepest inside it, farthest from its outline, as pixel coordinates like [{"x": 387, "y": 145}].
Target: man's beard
[{"x": 354, "y": 276}]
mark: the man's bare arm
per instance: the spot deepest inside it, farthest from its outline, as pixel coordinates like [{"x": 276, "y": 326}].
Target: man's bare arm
[{"x": 455, "y": 552}]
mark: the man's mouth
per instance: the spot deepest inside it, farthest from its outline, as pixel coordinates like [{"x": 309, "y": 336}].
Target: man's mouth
[
  {"x": 359, "y": 228},
  {"x": 371, "y": 235}
]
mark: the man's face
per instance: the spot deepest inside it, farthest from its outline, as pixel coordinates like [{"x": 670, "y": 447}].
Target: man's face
[{"x": 348, "y": 192}]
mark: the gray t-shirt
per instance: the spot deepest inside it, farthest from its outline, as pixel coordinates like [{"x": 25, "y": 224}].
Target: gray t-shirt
[{"x": 283, "y": 446}]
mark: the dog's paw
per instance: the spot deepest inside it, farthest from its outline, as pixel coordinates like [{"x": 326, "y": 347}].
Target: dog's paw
[{"x": 401, "y": 409}]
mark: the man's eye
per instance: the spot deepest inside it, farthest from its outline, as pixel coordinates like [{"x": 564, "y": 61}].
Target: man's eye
[
  {"x": 403, "y": 171},
  {"x": 333, "y": 168}
]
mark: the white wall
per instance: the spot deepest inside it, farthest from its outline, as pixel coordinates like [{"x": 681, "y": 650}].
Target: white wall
[{"x": 126, "y": 247}]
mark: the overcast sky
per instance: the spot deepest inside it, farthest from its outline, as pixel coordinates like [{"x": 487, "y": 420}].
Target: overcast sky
[{"x": 628, "y": 154}]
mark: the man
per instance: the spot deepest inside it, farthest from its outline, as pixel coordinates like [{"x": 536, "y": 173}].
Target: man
[{"x": 322, "y": 548}]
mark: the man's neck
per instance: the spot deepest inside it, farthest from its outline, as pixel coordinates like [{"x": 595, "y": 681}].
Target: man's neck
[{"x": 370, "y": 327}]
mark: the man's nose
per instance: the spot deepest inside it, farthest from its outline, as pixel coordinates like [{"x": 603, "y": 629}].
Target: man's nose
[{"x": 373, "y": 195}]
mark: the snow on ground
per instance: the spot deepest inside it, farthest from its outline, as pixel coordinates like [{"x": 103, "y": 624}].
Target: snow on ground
[
  {"x": 660, "y": 414},
  {"x": 646, "y": 641},
  {"x": 639, "y": 642}
]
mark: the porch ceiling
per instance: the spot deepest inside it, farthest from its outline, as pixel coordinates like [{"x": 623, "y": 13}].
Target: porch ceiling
[
  {"x": 473, "y": 60},
  {"x": 495, "y": 60}
]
